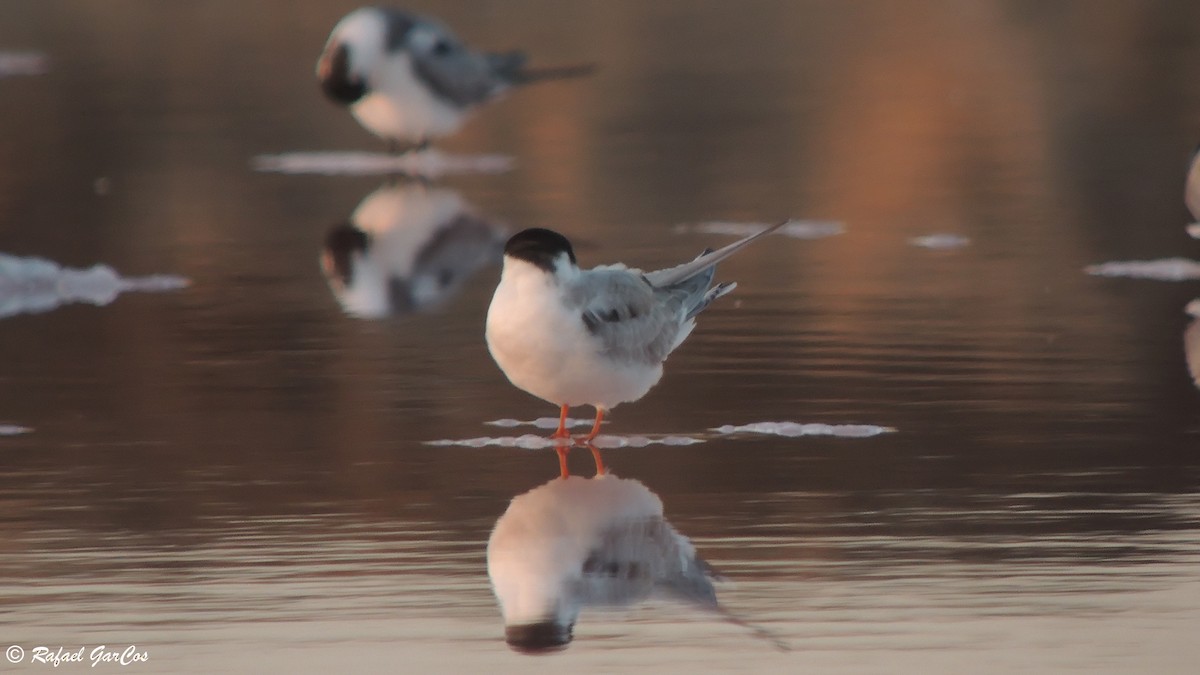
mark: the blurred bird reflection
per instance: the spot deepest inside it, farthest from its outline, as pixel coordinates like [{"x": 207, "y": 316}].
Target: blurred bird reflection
[
  {"x": 408, "y": 247},
  {"x": 1191, "y": 341},
  {"x": 1191, "y": 191},
  {"x": 576, "y": 542}
]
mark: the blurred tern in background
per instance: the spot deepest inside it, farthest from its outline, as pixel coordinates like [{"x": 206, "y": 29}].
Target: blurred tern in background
[
  {"x": 408, "y": 79},
  {"x": 594, "y": 337}
]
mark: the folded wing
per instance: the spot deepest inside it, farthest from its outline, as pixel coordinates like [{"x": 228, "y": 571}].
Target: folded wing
[{"x": 629, "y": 319}]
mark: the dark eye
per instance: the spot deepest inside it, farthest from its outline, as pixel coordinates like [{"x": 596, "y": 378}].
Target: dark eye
[{"x": 442, "y": 48}]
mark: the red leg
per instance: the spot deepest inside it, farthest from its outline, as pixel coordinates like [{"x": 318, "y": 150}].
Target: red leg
[
  {"x": 600, "y": 470},
  {"x": 562, "y": 460},
  {"x": 562, "y": 424},
  {"x": 595, "y": 427},
  {"x": 559, "y": 435}
]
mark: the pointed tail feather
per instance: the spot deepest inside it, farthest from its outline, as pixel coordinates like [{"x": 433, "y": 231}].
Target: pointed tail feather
[{"x": 674, "y": 275}]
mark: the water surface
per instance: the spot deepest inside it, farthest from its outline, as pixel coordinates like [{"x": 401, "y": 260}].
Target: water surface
[{"x": 237, "y": 476}]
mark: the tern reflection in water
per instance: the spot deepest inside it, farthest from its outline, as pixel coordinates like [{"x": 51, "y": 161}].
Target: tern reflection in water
[
  {"x": 1191, "y": 341},
  {"x": 1191, "y": 189},
  {"x": 407, "y": 248},
  {"x": 601, "y": 542},
  {"x": 1191, "y": 192}
]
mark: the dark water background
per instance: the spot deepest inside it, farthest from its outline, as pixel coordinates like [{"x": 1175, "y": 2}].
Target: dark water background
[{"x": 234, "y": 476}]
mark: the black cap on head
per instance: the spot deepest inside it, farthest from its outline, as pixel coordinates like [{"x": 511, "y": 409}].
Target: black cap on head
[
  {"x": 539, "y": 247},
  {"x": 341, "y": 243},
  {"x": 538, "y": 638},
  {"x": 336, "y": 81}
]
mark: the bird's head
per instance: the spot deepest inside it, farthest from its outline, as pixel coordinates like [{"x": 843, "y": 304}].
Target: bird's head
[
  {"x": 350, "y": 53},
  {"x": 362, "y": 286},
  {"x": 368, "y": 48},
  {"x": 359, "y": 47},
  {"x": 538, "y": 638},
  {"x": 544, "y": 249},
  {"x": 344, "y": 245},
  {"x": 537, "y": 582}
]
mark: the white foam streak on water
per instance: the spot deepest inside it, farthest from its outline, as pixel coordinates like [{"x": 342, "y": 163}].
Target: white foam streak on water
[
  {"x": 30, "y": 285},
  {"x": 603, "y": 441},
  {"x": 424, "y": 163},
  {"x": 13, "y": 430},
  {"x": 797, "y": 229},
  {"x": 794, "y": 429},
  {"x": 535, "y": 442},
  {"x": 541, "y": 423},
  {"x": 940, "y": 241},
  {"x": 23, "y": 63},
  {"x": 1166, "y": 269}
]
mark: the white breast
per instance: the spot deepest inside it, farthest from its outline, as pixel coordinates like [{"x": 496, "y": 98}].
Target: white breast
[
  {"x": 401, "y": 107},
  {"x": 545, "y": 349}
]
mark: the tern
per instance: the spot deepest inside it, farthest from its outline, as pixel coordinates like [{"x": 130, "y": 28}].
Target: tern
[
  {"x": 408, "y": 79},
  {"x": 594, "y": 337}
]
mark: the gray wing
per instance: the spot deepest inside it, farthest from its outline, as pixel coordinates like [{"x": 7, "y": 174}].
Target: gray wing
[
  {"x": 630, "y": 319},
  {"x": 455, "y": 72},
  {"x": 638, "y": 558}
]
